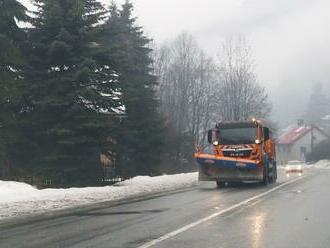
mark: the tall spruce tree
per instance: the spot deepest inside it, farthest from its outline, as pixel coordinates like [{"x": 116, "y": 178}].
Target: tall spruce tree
[
  {"x": 140, "y": 136},
  {"x": 11, "y": 79},
  {"x": 72, "y": 92},
  {"x": 318, "y": 105}
]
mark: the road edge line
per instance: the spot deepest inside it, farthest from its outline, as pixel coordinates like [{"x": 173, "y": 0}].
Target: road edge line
[{"x": 216, "y": 214}]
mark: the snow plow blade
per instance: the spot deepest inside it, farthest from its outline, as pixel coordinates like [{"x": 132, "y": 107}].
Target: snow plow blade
[{"x": 212, "y": 168}]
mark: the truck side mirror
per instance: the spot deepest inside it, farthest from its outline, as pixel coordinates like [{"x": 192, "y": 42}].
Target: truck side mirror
[
  {"x": 266, "y": 134},
  {"x": 210, "y": 136}
]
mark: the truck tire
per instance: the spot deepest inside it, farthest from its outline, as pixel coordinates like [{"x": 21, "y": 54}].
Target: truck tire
[
  {"x": 274, "y": 172},
  {"x": 265, "y": 180},
  {"x": 221, "y": 184},
  {"x": 273, "y": 177},
  {"x": 271, "y": 174}
]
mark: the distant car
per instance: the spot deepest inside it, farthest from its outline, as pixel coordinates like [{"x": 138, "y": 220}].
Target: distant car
[{"x": 295, "y": 167}]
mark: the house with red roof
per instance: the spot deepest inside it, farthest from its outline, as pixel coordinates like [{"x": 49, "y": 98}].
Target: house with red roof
[{"x": 297, "y": 141}]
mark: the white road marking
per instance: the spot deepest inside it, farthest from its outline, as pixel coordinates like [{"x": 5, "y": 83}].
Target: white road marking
[{"x": 212, "y": 216}]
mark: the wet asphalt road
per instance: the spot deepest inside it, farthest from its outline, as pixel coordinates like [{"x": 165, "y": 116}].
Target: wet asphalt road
[{"x": 279, "y": 215}]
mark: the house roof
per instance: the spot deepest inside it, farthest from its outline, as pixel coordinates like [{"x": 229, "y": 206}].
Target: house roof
[{"x": 294, "y": 133}]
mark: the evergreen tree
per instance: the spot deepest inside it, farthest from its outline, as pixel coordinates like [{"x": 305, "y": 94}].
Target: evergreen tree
[
  {"x": 318, "y": 105},
  {"x": 140, "y": 134},
  {"x": 71, "y": 93},
  {"x": 11, "y": 61}
]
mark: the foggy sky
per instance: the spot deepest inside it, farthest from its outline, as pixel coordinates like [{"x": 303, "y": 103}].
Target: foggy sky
[{"x": 290, "y": 39}]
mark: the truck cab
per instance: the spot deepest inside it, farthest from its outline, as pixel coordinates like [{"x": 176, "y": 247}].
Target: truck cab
[{"x": 242, "y": 151}]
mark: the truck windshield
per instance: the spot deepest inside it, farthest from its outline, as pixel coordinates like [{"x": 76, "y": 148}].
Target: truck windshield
[{"x": 238, "y": 136}]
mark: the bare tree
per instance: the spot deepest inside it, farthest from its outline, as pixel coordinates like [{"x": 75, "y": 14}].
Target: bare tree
[
  {"x": 195, "y": 93},
  {"x": 203, "y": 97},
  {"x": 187, "y": 78},
  {"x": 241, "y": 95}
]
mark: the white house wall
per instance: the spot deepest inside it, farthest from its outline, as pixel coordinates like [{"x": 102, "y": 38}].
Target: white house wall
[{"x": 286, "y": 153}]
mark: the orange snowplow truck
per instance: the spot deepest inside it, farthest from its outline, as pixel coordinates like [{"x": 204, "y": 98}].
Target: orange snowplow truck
[{"x": 242, "y": 151}]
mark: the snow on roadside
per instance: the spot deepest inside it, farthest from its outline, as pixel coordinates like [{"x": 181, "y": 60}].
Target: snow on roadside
[
  {"x": 18, "y": 199},
  {"x": 322, "y": 164}
]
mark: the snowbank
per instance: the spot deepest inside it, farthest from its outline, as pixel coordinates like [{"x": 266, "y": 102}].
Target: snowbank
[
  {"x": 17, "y": 199},
  {"x": 322, "y": 164}
]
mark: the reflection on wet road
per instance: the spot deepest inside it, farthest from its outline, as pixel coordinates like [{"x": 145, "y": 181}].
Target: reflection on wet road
[
  {"x": 258, "y": 225},
  {"x": 281, "y": 215}
]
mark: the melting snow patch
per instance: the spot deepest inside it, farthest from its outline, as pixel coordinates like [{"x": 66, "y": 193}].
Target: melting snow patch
[
  {"x": 322, "y": 164},
  {"x": 17, "y": 199}
]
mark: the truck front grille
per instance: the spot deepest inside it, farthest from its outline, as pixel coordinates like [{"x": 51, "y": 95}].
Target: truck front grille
[{"x": 237, "y": 152}]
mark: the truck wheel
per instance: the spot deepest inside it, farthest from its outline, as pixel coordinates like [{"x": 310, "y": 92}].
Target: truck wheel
[
  {"x": 265, "y": 180},
  {"x": 273, "y": 178},
  {"x": 275, "y": 172},
  {"x": 271, "y": 175},
  {"x": 221, "y": 184}
]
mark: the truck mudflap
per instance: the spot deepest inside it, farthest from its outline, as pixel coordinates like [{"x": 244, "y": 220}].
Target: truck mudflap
[{"x": 222, "y": 169}]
